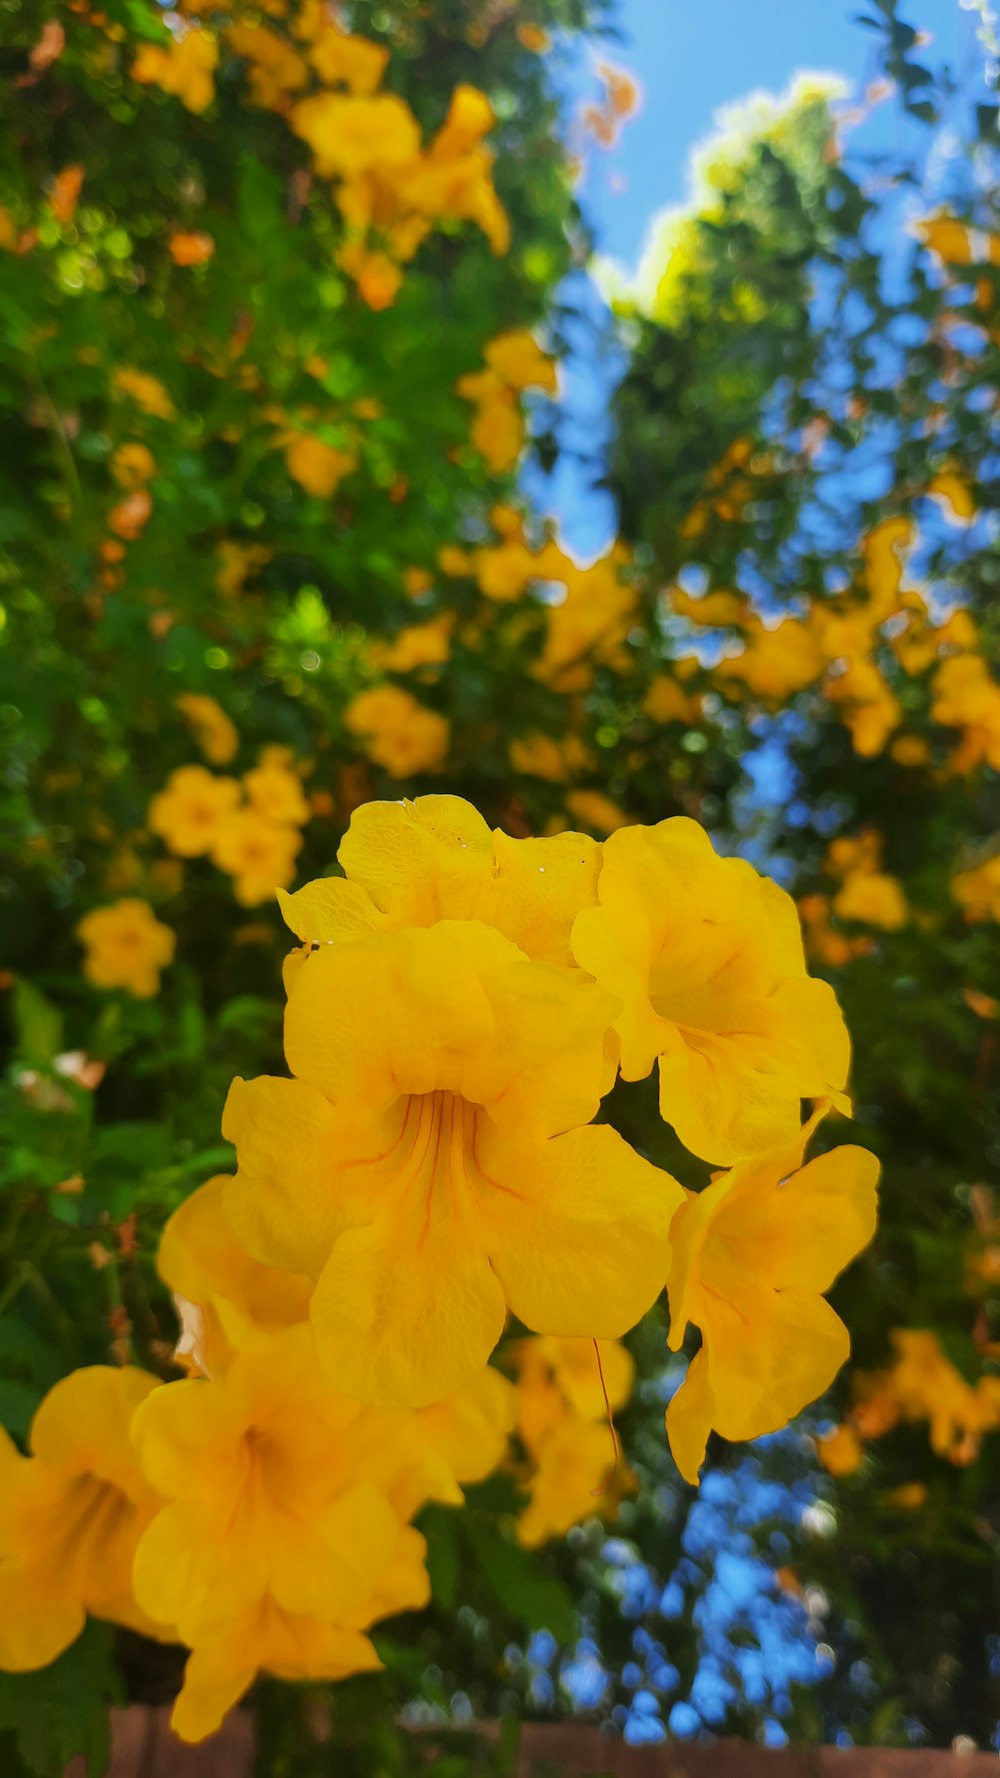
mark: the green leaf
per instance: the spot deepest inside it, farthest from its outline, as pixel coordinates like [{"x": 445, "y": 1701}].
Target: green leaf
[
  {"x": 61, "y": 1711},
  {"x": 37, "y": 1023},
  {"x": 17, "y": 1406},
  {"x": 443, "y": 1561},
  {"x": 538, "y": 1600}
]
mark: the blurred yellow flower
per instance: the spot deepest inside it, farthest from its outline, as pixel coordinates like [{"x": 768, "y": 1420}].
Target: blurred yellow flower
[
  {"x": 275, "y": 792},
  {"x": 214, "y": 731},
  {"x": 71, "y": 1515},
  {"x": 258, "y": 854},
  {"x": 126, "y": 947},
  {"x": 185, "y": 69},
  {"x": 191, "y": 809},
  {"x": 318, "y": 467},
  {"x": 397, "y": 732}
]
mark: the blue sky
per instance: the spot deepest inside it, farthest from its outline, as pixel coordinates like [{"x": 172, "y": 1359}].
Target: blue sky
[{"x": 694, "y": 55}]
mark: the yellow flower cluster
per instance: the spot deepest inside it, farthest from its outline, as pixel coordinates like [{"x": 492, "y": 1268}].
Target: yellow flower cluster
[
  {"x": 459, "y": 1005},
  {"x": 249, "y": 828},
  {"x": 587, "y": 625},
  {"x": 391, "y": 191},
  {"x": 922, "y": 1384},
  {"x": 977, "y": 890},
  {"x": 514, "y": 362},
  {"x": 868, "y": 896},
  {"x": 835, "y": 646}
]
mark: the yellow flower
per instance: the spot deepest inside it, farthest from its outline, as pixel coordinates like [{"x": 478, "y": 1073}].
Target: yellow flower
[
  {"x": 470, "y": 1430},
  {"x": 520, "y": 363},
  {"x": 343, "y": 60},
  {"x": 71, "y": 1515},
  {"x": 419, "y": 645},
  {"x": 185, "y": 69},
  {"x": 275, "y": 68},
  {"x": 597, "y": 810},
  {"x": 268, "y": 1639},
  {"x": 318, "y": 467},
  {"x": 279, "y": 1526},
  {"x": 840, "y": 1451},
  {"x": 132, "y": 465},
  {"x": 927, "y": 1386},
  {"x": 967, "y": 697},
  {"x": 190, "y": 811},
  {"x": 873, "y": 898},
  {"x": 223, "y": 1294},
  {"x": 978, "y": 890},
  {"x": 126, "y": 947},
  {"x": 349, "y": 135},
  {"x": 707, "y": 957},
  {"x": 378, "y": 278},
  {"x": 541, "y": 756},
  {"x": 398, "y": 732},
  {"x": 571, "y": 1474},
  {"x": 215, "y": 732},
  {"x": 667, "y": 701},
  {"x": 432, "y": 1149},
  {"x": 411, "y": 863},
  {"x": 775, "y": 663},
  {"x": 872, "y": 710},
  {"x": 954, "y": 494},
  {"x": 275, "y": 793},
  {"x": 561, "y": 1380},
  {"x": 752, "y": 1256},
  {"x": 146, "y": 391},
  {"x": 258, "y": 854}
]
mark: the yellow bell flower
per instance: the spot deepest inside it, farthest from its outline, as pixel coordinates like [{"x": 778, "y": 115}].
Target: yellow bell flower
[
  {"x": 185, "y": 69},
  {"x": 214, "y": 731},
  {"x": 274, "y": 792},
  {"x": 432, "y": 1147},
  {"x": 281, "y": 1523},
  {"x": 753, "y": 1254},
  {"x": 873, "y": 898},
  {"x": 258, "y": 854},
  {"x": 71, "y": 1515},
  {"x": 397, "y": 732},
  {"x": 224, "y": 1294},
  {"x": 318, "y": 467},
  {"x": 707, "y": 957},
  {"x": 267, "y": 1639},
  {"x": 568, "y": 1482},
  {"x": 189, "y": 812},
  {"x": 126, "y": 947},
  {"x": 349, "y": 134},
  {"x": 412, "y": 863},
  {"x": 344, "y": 60}
]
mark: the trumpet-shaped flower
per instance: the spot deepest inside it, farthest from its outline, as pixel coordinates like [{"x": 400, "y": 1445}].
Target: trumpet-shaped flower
[
  {"x": 572, "y": 1477},
  {"x": 266, "y": 1639},
  {"x": 71, "y": 1515},
  {"x": 126, "y": 947},
  {"x": 429, "y": 1166},
  {"x": 752, "y": 1256},
  {"x": 225, "y": 1295},
  {"x": 396, "y": 731},
  {"x": 276, "y": 1486},
  {"x": 707, "y": 957},
  {"x": 260, "y": 855},
  {"x": 191, "y": 809},
  {"x": 412, "y": 863}
]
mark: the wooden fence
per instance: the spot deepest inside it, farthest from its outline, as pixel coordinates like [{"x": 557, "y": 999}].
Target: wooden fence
[{"x": 144, "y": 1747}]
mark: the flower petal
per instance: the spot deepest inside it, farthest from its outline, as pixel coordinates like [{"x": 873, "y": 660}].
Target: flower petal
[{"x": 577, "y": 1229}]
